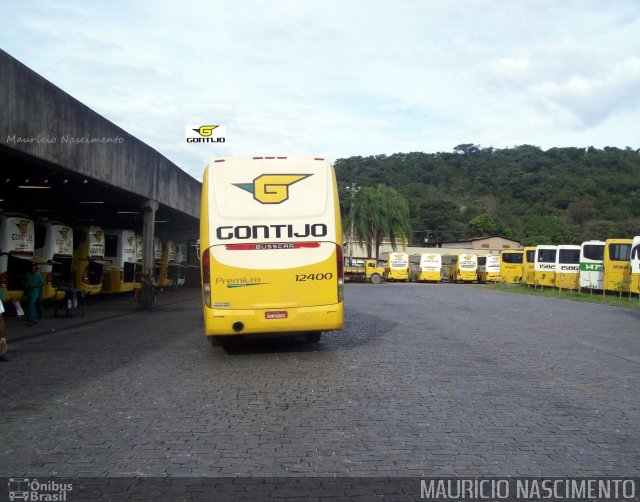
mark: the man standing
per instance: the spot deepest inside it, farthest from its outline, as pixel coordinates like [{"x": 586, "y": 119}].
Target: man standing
[{"x": 33, "y": 284}]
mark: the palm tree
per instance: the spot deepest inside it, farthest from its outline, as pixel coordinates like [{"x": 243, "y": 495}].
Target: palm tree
[{"x": 377, "y": 213}]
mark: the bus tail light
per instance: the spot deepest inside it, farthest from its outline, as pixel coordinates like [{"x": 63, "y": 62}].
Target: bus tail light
[
  {"x": 49, "y": 278},
  {"x": 340, "y": 258},
  {"x": 206, "y": 277},
  {"x": 85, "y": 275},
  {"x": 3, "y": 280}
]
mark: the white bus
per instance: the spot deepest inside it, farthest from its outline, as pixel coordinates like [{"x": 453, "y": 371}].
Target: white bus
[
  {"x": 592, "y": 265},
  {"x": 16, "y": 252},
  {"x": 635, "y": 265},
  {"x": 488, "y": 268},
  {"x": 271, "y": 247},
  {"x": 177, "y": 271},
  {"x": 54, "y": 253},
  {"x": 120, "y": 252},
  {"x": 545, "y": 266},
  {"x": 425, "y": 267},
  {"x": 568, "y": 267}
]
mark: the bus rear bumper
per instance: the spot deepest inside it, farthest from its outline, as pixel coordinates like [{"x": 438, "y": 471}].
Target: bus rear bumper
[{"x": 228, "y": 322}]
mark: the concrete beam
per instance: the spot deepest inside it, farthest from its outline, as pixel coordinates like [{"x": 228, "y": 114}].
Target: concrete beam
[{"x": 54, "y": 125}]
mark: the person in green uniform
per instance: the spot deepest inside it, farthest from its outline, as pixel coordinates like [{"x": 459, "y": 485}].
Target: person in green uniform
[{"x": 33, "y": 284}]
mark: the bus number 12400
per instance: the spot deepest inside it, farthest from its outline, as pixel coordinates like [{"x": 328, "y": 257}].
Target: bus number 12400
[{"x": 313, "y": 277}]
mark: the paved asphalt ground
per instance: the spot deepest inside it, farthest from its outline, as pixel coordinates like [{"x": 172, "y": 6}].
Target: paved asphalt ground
[{"x": 425, "y": 380}]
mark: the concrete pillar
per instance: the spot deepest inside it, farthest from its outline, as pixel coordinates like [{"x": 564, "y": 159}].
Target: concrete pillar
[{"x": 148, "y": 232}]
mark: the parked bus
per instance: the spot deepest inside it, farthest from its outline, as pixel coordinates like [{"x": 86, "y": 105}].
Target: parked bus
[
  {"x": 529, "y": 265},
  {"x": 120, "y": 251},
  {"x": 545, "y": 265},
  {"x": 16, "y": 252},
  {"x": 168, "y": 259},
  {"x": 157, "y": 261},
  {"x": 592, "y": 265},
  {"x": 271, "y": 245},
  {"x": 635, "y": 265},
  {"x": 488, "y": 268},
  {"x": 425, "y": 267},
  {"x": 54, "y": 253},
  {"x": 177, "y": 271},
  {"x": 568, "y": 267},
  {"x": 511, "y": 266},
  {"x": 459, "y": 267},
  {"x": 138, "y": 270},
  {"x": 617, "y": 265},
  {"x": 396, "y": 266},
  {"x": 88, "y": 259}
]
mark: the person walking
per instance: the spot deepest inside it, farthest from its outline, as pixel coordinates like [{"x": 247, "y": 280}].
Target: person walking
[{"x": 33, "y": 284}]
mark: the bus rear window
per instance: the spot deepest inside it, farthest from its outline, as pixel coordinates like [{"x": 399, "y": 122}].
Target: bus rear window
[
  {"x": 620, "y": 252},
  {"x": 569, "y": 256},
  {"x": 547, "y": 255},
  {"x": 515, "y": 258},
  {"x": 593, "y": 252}
]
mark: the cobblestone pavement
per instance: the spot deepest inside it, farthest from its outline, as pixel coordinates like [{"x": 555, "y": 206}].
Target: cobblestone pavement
[{"x": 425, "y": 380}]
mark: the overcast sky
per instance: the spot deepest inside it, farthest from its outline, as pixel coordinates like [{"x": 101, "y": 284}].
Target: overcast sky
[{"x": 342, "y": 78}]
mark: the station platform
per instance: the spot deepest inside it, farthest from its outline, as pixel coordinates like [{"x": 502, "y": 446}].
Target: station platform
[{"x": 97, "y": 308}]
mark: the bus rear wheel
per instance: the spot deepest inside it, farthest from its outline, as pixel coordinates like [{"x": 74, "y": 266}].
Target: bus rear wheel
[
  {"x": 313, "y": 337},
  {"x": 376, "y": 279}
]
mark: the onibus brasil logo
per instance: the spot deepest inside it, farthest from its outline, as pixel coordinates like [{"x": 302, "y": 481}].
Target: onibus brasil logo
[{"x": 271, "y": 188}]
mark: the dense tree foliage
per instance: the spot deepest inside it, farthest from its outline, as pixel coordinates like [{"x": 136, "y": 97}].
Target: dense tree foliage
[
  {"x": 377, "y": 213},
  {"x": 560, "y": 196}
]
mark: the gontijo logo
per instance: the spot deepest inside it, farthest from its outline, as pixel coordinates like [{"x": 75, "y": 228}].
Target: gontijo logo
[
  {"x": 271, "y": 188},
  {"x": 205, "y": 133}
]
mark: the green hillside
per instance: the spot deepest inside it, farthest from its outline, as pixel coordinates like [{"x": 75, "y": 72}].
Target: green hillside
[{"x": 562, "y": 195}]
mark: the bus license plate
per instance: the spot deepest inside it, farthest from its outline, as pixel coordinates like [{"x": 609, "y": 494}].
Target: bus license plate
[{"x": 282, "y": 314}]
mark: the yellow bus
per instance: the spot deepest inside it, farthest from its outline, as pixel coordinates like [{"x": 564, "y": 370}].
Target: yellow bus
[
  {"x": 459, "y": 267},
  {"x": 635, "y": 265},
  {"x": 396, "y": 266},
  {"x": 425, "y": 267},
  {"x": 120, "y": 252},
  {"x": 592, "y": 264},
  {"x": 529, "y": 265},
  {"x": 511, "y": 266},
  {"x": 545, "y": 265},
  {"x": 88, "y": 259},
  {"x": 617, "y": 265},
  {"x": 568, "y": 267},
  {"x": 271, "y": 247},
  {"x": 168, "y": 259},
  {"x": 488, "y": 268}
]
